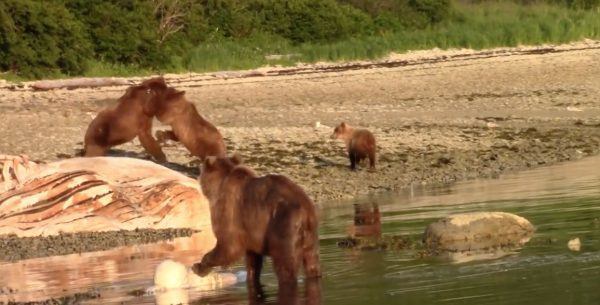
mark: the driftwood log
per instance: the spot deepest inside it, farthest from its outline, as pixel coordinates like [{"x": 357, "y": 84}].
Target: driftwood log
[
  {"x": 96, "y": 194},
  {"x": 74, "y": 83}
]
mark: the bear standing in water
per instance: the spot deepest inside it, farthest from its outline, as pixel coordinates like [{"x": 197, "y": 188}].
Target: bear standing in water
[
  {"x": 255, "y": 216},
  {"x": 131, "y": 117},
  {"x": 198, "y": 135},
  {"x": 360, "y": 144}
]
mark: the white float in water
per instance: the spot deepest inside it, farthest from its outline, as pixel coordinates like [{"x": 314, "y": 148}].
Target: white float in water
[
  {"x": 172, "y": 280},
  {"x": 574, "y": 244},
  {"x": 170, "y": 274}
]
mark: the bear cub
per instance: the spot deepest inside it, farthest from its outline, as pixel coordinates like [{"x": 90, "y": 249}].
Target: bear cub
[{"x": 360, "y": 144}]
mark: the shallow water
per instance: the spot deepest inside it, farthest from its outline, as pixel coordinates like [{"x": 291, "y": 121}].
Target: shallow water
[{"x": 562, "y": 201}]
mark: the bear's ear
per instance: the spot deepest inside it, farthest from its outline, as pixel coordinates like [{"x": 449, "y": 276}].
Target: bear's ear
[
  {"x": 236, "y": 159},
  {"x": 174, "y": 94},
  {"x": 210, "y": 161},
  {"x": 343, "y": 125}
]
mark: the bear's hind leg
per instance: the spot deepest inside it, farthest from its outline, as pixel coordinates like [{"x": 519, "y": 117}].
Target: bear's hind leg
[
  {"x": 372, "y": 160},
  {"x": 254, "y": 264},
  {"x": 310, "y": 257},
  {"x": 285, "y": 249},
  {"x": 310, "y": 248},
  {"x": 353, "y": 160}
]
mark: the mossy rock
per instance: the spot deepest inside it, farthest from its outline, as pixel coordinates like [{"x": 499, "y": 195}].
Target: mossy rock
[{"x": 477, "y": 231}]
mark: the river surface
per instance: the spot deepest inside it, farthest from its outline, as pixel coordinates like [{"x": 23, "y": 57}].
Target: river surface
[{"x": 562, "y": 201}]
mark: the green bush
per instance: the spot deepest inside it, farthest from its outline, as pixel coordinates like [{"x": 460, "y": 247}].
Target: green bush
[
  {"x": 296, "y": 20},
  {"x": 311, "y": 20},
  {"x": 229, "y": 18},
  {"x": 41, "y": 39},
  {"x": 434, "y": 11},
  {"x": 399, "y": 14},
  {"x": 53, "y": 38},
  {"x": 121, "y": 31},
  {"x": 583, "y": 4}
]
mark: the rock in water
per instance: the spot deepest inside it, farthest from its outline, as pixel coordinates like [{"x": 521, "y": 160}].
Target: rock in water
[{"x": 477, "y": 231}]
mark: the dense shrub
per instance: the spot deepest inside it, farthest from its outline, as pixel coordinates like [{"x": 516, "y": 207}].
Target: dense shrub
[
  {"x": 229, "y": 18},
  {"x": 395, "y": 14},
  {"x": 40, "y": 39},
  {"x": 311, "y": 20},
  {"x": 121, "y": 31},
  {"x": 583, "y": 4},
  {"x": 296, "y": 20}
]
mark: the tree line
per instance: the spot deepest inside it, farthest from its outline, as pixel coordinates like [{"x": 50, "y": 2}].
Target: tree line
[{"x": 45, "y": 38}]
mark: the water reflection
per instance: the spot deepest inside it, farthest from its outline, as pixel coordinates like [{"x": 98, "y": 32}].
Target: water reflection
[
  {"x": 367, "y": 221},
  {"x": 290, "y": 294},
  {"x": 42, "y": 278}
]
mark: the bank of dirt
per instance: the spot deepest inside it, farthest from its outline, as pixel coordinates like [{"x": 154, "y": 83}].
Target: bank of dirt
[
  {"x": 13, "y": 248},
  {"x": 73, "y": 299},
  {"x": 440, "y": 117}
]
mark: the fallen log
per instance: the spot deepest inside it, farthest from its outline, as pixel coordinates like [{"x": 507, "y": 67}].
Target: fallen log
[{"x": 74, "y": 83}]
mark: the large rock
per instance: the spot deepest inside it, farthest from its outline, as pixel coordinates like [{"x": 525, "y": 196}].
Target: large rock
[{"x": 477, "y": 231}]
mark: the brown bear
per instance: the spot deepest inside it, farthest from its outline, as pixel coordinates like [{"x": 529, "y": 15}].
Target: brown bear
[
  {"x": 198, "y": 135},
  {"x": 131, "y": 117},
  {"x": 256, "y": 216},
  {"x": 360, "y": 144}
]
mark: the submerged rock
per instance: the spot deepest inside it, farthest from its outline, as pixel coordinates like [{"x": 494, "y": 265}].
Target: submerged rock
[
  {"x": 477, "y": 231},
  {"x": 386, "y": 242}
]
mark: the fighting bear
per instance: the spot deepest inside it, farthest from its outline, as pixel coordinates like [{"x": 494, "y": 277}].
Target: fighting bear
[
  {"x": 131, "y": 117},
  {"x": 198, "y": 135}
]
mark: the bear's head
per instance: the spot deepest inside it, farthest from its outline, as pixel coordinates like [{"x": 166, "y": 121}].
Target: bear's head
[
  {"x": 212, "y": 173},
  {"x": 146, "y": 93},
  {"x": 342, "y": 131},
  {"x": 167, "y": 105}
]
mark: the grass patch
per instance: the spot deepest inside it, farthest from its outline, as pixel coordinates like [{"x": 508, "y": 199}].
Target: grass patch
[
  {"x": 100, "y": 69},
  {"x": 476, "y": 26}
]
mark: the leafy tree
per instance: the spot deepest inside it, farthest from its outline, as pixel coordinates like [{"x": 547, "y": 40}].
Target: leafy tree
[
  {"x": 41, "y": 38},
  {"x": 311, "y": 20}
]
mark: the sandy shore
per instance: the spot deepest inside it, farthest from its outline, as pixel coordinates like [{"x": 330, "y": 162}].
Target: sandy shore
[{"x": 440, "y": 116}]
